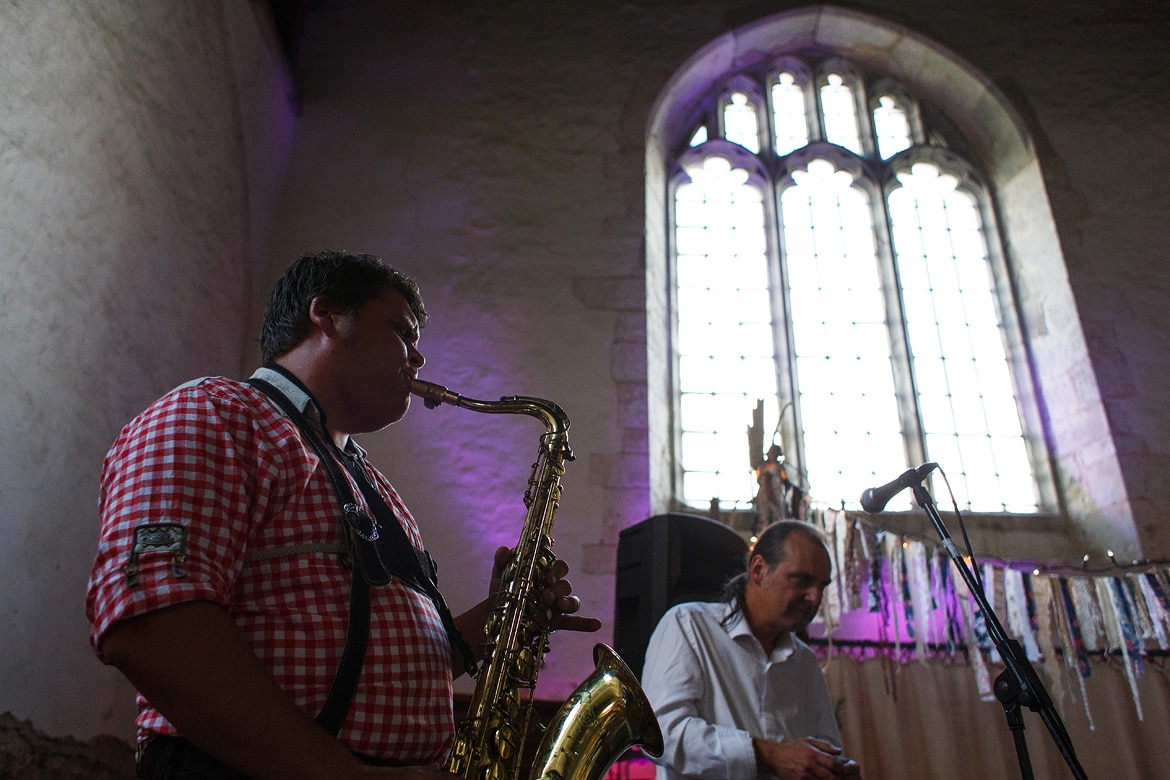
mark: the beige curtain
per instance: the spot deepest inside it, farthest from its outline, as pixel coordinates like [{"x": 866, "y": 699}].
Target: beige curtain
[{"x": 924, "y": 719}]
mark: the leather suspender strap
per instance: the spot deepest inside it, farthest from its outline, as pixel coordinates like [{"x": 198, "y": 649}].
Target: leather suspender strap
[
  {"x": 337, "y": 702},
  {"x": 411, "y": 565},
  {"x": 377, "y": 549}
]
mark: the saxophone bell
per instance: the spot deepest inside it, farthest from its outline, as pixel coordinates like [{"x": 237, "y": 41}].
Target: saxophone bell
[{"x": 605, "y": 716}]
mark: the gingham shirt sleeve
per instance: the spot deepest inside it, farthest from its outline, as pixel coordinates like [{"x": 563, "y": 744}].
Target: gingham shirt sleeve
[{"x": 176, "y": 463}]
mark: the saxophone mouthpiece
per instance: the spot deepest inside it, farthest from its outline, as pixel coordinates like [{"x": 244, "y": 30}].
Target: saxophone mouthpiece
[{"x": 432, "y": 394}]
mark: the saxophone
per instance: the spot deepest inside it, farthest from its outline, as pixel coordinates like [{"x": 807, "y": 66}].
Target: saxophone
[{"x": 608, "y": 713}]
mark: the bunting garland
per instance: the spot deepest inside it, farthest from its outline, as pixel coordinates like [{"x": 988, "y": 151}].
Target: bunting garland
[
  {"x": 1120, "y": 631},
  {"x": 917, "y": 601},
  {"x": 1045, "y": 636},
  {"x": 1075, "y": 657},
  {"x": 1157, "y": 610},
  {"x": 918, "y": 584},
  {"x": 982, "y": 675}
]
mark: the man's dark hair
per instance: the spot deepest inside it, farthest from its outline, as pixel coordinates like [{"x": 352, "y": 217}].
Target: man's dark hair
[
  {"x": 348, "y": 280},
  {"x": 771, "y": 545}
]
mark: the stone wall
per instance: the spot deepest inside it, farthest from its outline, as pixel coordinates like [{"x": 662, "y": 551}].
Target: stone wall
[
  {"x": 497, "y": 152},
  {"x": 27, "y": 754}
]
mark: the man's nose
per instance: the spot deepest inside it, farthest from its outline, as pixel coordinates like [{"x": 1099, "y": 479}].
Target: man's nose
[{"x": 415, "y": 357}]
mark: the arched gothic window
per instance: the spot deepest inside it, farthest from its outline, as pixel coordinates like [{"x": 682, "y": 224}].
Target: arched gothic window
[{"x": 834, "y": 253}]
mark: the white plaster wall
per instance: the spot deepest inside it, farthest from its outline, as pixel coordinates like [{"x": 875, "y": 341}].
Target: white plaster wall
[{"x": 140, "y": 149}]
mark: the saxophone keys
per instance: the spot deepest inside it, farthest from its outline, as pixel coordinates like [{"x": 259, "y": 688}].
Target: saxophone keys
[
  {"x": 524, "y": 665},
  {"x": 505, "y": 740},
  {"x": 509, "y": 573},
  {"x": 495, "y": 621},
  {"x": 495, "y": 771},
  {"x": 547, "y": 558},
  {"x": 460, "y": 751},
  {"x": 510, "y": 704}
]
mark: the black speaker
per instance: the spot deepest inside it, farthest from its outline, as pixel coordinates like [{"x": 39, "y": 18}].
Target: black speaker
[{"x": 666, "y": 560}]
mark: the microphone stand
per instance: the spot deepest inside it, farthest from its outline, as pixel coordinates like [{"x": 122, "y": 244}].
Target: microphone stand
[{"x": 1018, "y": 685}]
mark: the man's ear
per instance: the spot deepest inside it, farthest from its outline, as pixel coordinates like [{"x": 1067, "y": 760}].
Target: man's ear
[
  {"x": 325, "y": 316},
  {"x": 757, "y": 568}
]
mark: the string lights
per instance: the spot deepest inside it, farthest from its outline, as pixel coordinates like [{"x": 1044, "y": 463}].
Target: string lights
[{"x": 1052, "y": 568}]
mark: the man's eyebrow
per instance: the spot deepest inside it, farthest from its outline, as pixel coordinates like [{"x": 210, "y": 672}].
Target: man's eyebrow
[{"x": 409, "y": 324}]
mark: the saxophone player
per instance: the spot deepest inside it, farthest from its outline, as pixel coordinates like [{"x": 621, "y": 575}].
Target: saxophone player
[{"x": 260, "y": 583}]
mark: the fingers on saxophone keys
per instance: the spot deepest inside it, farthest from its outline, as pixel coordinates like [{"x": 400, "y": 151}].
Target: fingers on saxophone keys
[
  {"x": 558, "y": 596},
  {"x": 556, "y": 572},
  {"x": 563, "y": 617},
  {"x": 556, "y": 607}
]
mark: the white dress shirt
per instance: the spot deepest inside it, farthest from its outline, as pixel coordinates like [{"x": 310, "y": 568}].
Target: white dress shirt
[{"x": 713, "y": 689}]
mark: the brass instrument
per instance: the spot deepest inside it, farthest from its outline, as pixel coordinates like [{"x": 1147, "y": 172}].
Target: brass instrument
[{"x": 608, "y": 713}]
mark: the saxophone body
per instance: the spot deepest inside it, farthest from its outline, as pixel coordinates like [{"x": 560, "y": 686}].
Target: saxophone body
[{"x": 608, "y": 713}]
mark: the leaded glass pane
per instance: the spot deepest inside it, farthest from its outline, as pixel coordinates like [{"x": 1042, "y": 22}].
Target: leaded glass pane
[
  {"x": 725, "y": 350},
  {"x": 840, "y": 114},
  {"x": 892, "y": 127},
  {"x": 840, "y": 341},
  {"x": 789, "y": 114},
  {"x": 741, "y": 124},
  {"x": 968, "y": 409},
  {"x": 698, "y": 487}
]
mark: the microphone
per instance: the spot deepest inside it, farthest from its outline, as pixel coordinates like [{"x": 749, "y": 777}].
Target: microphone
[{"x": 874, "y": 500}]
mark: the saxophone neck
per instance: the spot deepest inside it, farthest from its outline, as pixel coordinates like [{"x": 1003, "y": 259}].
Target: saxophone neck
[{"x": 548, "y": 412}]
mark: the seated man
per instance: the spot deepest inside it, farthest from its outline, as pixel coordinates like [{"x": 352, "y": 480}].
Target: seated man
[{"x": 737, "y": 694}]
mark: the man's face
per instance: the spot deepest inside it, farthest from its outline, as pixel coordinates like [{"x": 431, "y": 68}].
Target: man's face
[
  {"x": 377, "y": 357},
  {"x": 788, "y": 596}
]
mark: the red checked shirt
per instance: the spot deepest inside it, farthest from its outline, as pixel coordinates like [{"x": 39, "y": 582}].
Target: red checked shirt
[{"x": 211, "y": 494}]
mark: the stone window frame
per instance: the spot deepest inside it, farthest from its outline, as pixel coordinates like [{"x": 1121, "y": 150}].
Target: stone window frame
[{"x": 1091, "y": 505}]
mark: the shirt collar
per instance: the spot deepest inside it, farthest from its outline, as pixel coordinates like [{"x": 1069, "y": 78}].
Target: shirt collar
[
  {"x": 299, "y": 396},
  {"x": 737, "y": 628}
]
